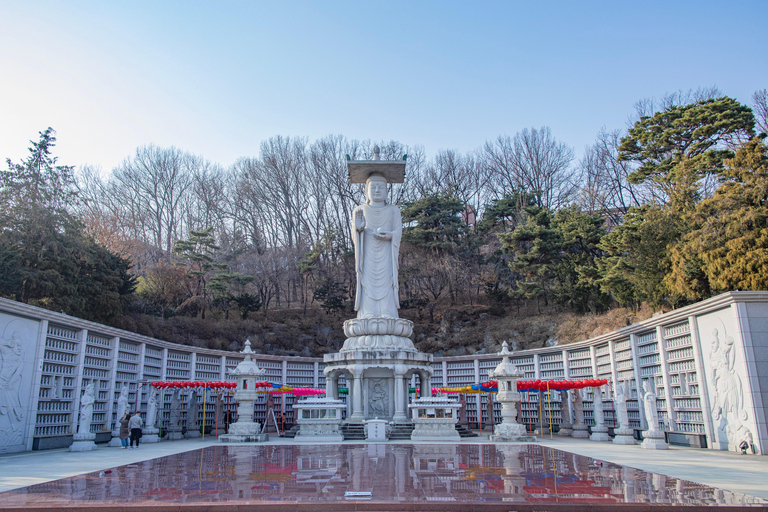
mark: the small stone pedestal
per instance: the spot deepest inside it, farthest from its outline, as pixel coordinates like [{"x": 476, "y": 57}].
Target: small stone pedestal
[
  {"x": 149, "y": 435},
  {"x": 434, "y": 419},
  {"x": 83, "y": 442},
  {"x": 654, "y": 440},
  {"x": 376, "y": 430},
  {"x": 319, "y": 420},
  {"x": 194, "y": 432},
  {"x": 624, "y": 436}
]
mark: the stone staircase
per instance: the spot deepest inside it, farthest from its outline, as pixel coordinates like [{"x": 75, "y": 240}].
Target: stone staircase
[
  {"x": 353, "y": 431},
  {"x": 464, "y": 431},
  {"x": 401, "y": 430}
]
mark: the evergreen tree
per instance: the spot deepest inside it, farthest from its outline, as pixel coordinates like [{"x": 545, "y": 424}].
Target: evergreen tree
[
  {"x": 55, "y": 265},
  {"x": 678, "y": 147},
  {"x": 728, "y": 247},
  {"x": 197, "y": 252}
]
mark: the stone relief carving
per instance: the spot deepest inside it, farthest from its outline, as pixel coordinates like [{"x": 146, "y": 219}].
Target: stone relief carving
[
  {"x": 10, "y": 376},
  {"x": 12, "y": 414},
  {"x": 728, "y": 411},
  {"x": 378, "y": 398}
]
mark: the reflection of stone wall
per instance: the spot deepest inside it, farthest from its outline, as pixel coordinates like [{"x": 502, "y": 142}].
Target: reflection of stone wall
[
  {"x": 18, "y": 342},
  {"x": 730, "y": 400}
]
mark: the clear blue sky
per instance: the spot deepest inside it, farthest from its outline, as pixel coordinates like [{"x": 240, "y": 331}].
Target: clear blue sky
[{"x": 217, "y": 78}]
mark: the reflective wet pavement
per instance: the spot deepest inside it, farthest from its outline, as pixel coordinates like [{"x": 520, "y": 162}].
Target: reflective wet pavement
[{"x": 374, "y": 477}]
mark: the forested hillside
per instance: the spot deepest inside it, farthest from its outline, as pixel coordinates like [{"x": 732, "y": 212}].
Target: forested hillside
[{"x": 516, "y": 240}]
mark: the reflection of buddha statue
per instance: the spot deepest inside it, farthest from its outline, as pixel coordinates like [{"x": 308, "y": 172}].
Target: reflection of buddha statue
[{"x": 376, "y": 232}]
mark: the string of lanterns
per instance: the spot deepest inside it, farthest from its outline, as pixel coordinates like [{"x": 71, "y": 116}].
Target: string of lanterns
[
  {"x": 259, "y": 387},
  {"x": 178, "y": 384},
  {"x": 491, "y": 386}
]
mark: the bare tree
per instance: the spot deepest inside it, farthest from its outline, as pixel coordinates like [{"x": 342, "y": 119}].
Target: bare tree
[
  {"x": 606, "y": 186},
  {"x": 150, "y": 189},
  {"x": 542, "y": 166},
  {"x": 760, "y": 108}
]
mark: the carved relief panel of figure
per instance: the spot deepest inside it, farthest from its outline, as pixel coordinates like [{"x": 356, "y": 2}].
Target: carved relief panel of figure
[
  {"x": 728, "y": 410},
  {"x": 10, "y": 377},
  {"x": 376, "y": 232},
  {"x": 378, "y": 398},
  {"x": 17, "y": 357}
]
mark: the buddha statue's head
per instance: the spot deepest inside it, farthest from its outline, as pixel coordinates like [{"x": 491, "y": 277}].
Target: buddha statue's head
[{"x": 376, "y": 189}]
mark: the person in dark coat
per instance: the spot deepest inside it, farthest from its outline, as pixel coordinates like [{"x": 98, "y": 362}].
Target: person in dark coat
[{"x": 125, "y": 431}]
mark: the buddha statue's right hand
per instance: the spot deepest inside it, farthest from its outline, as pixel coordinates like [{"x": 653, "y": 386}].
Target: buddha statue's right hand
[{"x": 359, "y": 220}]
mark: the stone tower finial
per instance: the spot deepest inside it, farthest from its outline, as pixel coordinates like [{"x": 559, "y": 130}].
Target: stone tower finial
[
  {"x": 376, "y": 152},
  {"x": 247, "y": 350}
]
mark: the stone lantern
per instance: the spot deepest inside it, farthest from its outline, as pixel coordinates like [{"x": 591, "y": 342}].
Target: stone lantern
[
  {"x": 247, "y": 374},
  {"x": 507, "y": 375}
]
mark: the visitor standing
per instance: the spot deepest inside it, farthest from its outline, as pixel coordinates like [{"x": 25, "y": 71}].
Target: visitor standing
[
  {"x": 125, "y": 430},
  {"x": 135, "y": 425}
]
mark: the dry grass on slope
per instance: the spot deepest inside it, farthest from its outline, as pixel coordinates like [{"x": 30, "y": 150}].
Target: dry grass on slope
[{"x": 572, "y": 328}]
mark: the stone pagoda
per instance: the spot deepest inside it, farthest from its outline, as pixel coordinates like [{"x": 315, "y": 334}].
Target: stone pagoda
[
  {"x": 506, "y": 375},
  {"x": 378, "y": 358},
  {"x": 247, "y": 374}
]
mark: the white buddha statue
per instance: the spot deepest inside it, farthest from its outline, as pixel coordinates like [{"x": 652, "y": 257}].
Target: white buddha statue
[{"x": 376, "y": 232}]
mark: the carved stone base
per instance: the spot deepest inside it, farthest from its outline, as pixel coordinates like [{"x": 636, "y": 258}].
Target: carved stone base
[
  {"x": 654, "y": 440},
  {"x": 434, "y": 419},
  {"x": 193, "y": 433},
  {"x": 434, "y": 430},
  {"x": 625, "y": 438},
  {"x": 115, "y": 441},
  {"x": 580, "y": 432},
  {"x": 256, "y": 438},
  {"x": 599, "y": 434},
  {"x": 149, "y": 435},
  {"x": 378, "y": 342},
  {"x": 565, "y": 432},
  {"x": 173, "y": 436},
  {"x": 506, "y": 432},
  {"x": 397, "y": 327},
  {"x": 324, "y": 431},
  {"x": 83, "y": 443},
  {"x": 245, "y": 428}
]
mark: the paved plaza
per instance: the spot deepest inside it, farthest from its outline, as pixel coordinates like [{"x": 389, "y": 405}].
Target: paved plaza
[{"x": 477, "y": 475}]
